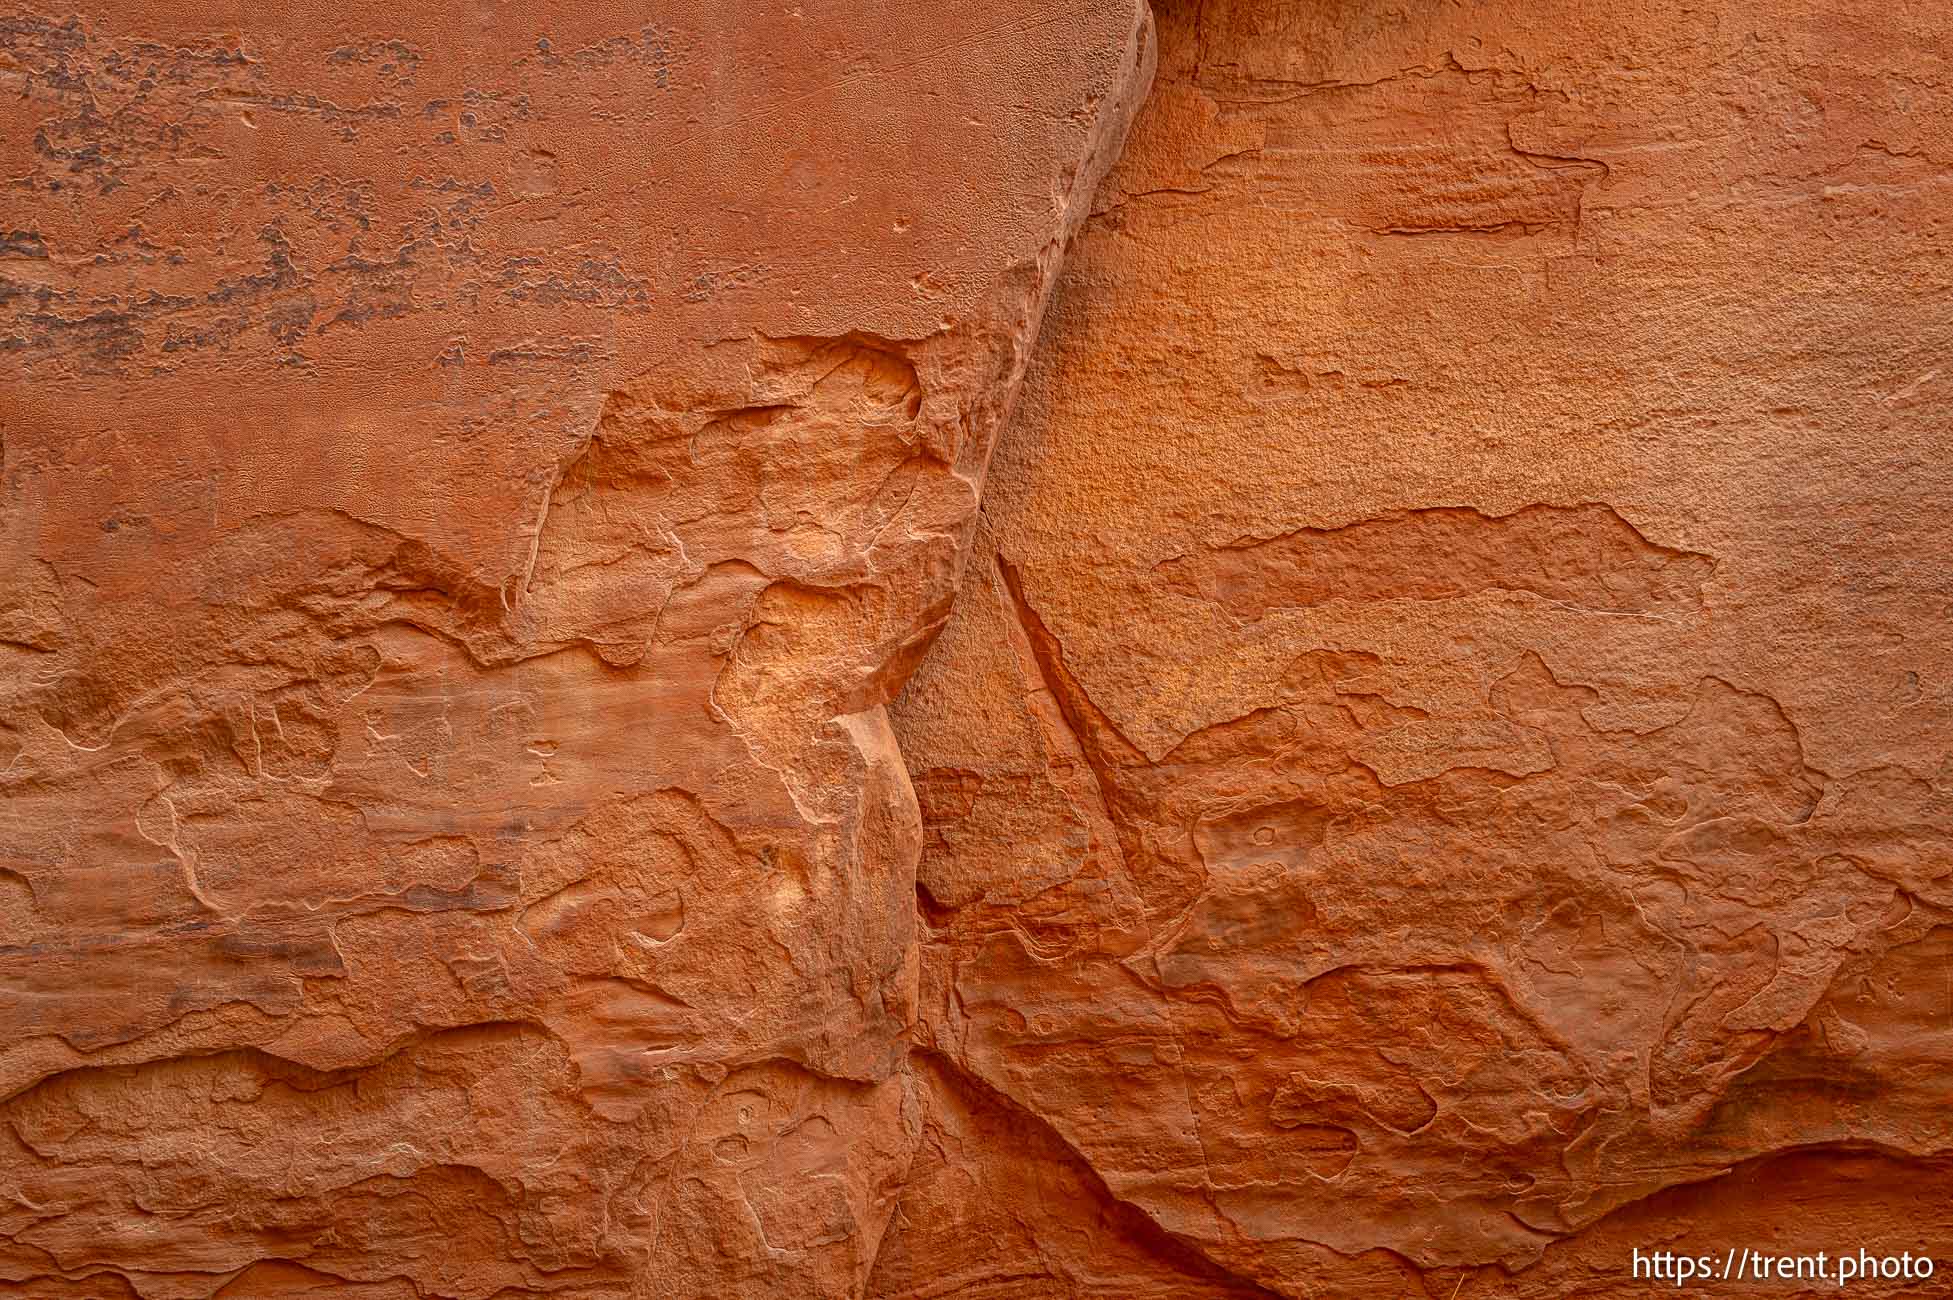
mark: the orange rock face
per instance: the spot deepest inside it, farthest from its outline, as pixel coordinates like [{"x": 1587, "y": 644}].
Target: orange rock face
[
  {"x": 474, "y": 477},
  {"x": 1439, "y": 777},
  {"x": 542, "y": 754}
]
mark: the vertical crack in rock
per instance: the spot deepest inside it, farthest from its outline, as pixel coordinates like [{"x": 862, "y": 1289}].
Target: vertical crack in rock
[
  {"x": 453, "y": 840},
  {"x": 1442, "y": 785},
  {"x": 1437, "y": 777},
  {"x": 1088, "y": 731}
]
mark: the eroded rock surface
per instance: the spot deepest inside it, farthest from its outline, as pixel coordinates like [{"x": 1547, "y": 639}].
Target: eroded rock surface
[
  {"x": 474, "y": 476},
  {"x": 1441, "y": 774}
]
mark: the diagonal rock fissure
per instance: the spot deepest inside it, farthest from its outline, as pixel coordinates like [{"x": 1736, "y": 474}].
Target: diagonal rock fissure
[
  {"x": 554, "y": 594},
  {"x": 1131, "y": 1221}
]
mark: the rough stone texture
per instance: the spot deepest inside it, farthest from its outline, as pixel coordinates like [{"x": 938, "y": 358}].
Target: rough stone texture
[
  {"x": 1440, "y": 772},
  {"x": 473, "y": 477}
]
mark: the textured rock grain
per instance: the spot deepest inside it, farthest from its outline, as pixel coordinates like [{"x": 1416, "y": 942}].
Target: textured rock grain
[
  {"x": 474, "y": 476},
  {"x": 1439, "y": 775},
  {"x": 1442, "y": 771}
]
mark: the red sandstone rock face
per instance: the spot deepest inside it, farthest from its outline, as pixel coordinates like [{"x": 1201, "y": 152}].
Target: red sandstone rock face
[
  {"x": 1439, "y": 774},
  {"x": 1437, "y": 778},
  {"x": 473, "y": 479}
]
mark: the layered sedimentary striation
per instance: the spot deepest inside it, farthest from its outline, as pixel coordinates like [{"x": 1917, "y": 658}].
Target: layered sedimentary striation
[
  {"x": 473, "y": 479},
  {"x": 542, "y": 754},
  {"x": 1438, "y": 777}
]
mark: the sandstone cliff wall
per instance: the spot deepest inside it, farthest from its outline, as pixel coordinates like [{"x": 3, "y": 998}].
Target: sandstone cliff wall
[
  {"x": 474, "y": 478},
  {"x": 1441, "y": 774},
  {"x": 589, "y": 706}
]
